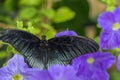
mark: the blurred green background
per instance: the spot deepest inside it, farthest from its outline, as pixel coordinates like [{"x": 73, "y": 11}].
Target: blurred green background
[{"x": 49, "y": 17}]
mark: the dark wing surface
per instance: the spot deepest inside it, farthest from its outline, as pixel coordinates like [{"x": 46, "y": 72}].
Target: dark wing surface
[
  {"x": 42, "y": 54},
  {"x": 65, "y": 48},
  {"x": 27, "y": 44}
]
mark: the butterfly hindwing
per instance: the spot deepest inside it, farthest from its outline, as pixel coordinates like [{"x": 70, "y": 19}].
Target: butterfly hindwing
[{"x": 44, "y": 53}]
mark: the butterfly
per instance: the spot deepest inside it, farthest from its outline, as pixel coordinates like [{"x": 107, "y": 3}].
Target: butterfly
[{"x": 44, "y": 53}]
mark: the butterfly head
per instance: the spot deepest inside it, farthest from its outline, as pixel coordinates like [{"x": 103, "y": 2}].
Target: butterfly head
[
  {"x": 43, "y": 38},
  {"x": 44, "y": 42}
]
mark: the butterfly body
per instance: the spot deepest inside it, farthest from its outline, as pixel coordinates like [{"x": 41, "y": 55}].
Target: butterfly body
[{"x": 44, "y": 53}]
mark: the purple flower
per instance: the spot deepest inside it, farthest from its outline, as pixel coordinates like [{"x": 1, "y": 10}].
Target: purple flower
[
  {"x": 118, "y": 63},
  {"x": 58, "y": 72},
  {"x": 66, "y": 33},
  {"x": 94, "y": 66},
  {"x": 109, "y": 39},
  {"x": 110, "y": 23},
  {"x": 62, "y": 73},
  {"x": 42, "y": 75},
  {"x": 17, "y": 69}
]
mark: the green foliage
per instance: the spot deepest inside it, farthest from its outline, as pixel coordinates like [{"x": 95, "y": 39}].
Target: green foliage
[
  {"x": 11, "y": 49},
  {"x": 97, "y": 39},
  {"x": 50, "y": 31},
  {"x": 30, "y": 2},
  {"x": 3, "y": 54},
  {"x": 10, "y": 5},
  {"x": 30, "y": 28},
  {"x": 110, "y": 4},
  {"x": 49, "y": 13},
  {"x": 63, "y": 14},
  {"x": 27, "y": 13},
  {"x": 81, "y": 10},
  {"x": 115, "y": 75},
  {"x": 8, "y": 50},
  {"x": 19, "y": 24}
]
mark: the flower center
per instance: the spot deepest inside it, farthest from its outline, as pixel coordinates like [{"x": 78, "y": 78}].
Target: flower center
[
  {"x": 116, "y": 26},
  {"x": 17, "y": 77},
  {"x": 90, "y": 60}
]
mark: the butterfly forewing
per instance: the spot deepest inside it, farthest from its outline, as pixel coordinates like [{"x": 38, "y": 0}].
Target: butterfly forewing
[
  {"x": 42, "y": 53},
  {"x": 69, "y": 47}
]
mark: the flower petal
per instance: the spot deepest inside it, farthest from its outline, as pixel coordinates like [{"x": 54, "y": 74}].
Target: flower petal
[
  {"x": 100, "y": 75},
  {"x": 117, "y": 36},
  {"x": 16, "y": 63},
  {"x": 96, "y": 70},
  {"x": 105, "y": 59},
  {"x": 66, "y": 33},
  {"x": 5, "y": 74},
  {"x": 118, "y": 63},
  {"x": 108, "y": 40},
  {"x": 76, "y": 62},
  {"x": 117, "y": 14},
  {"x": 59, "y": 72},
  {"x": 41, "y": 75},
  {"x": 29, "y": 73},
  {"x": 106, "y": 20}
]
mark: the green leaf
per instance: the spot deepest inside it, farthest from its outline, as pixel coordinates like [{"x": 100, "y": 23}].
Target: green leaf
[
  {"x": 10, "y": 5},
  {"x": 63, "y": 14},
  {"x": 30, "y": 2},
  {"x": 50, "y": 31},
  {"x": 19, "y": 24},
  {"x": 110, "y": 4},
  {"x": 110, "y": 8},
  {"x": 81, "y": 10},
  {"x": 49, "y": 13},
  {"x": 11, "y": 49},
  {"x": 33, "y": 29},
  {"x": 114, "y": 75},
  {"x": 3, "y": 54},
  {"x": 27, "y": 13},
  {"x": 97, "y": 39}
]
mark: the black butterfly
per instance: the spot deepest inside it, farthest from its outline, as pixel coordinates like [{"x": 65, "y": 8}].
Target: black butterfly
[{"x": 43, "y": 53}]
